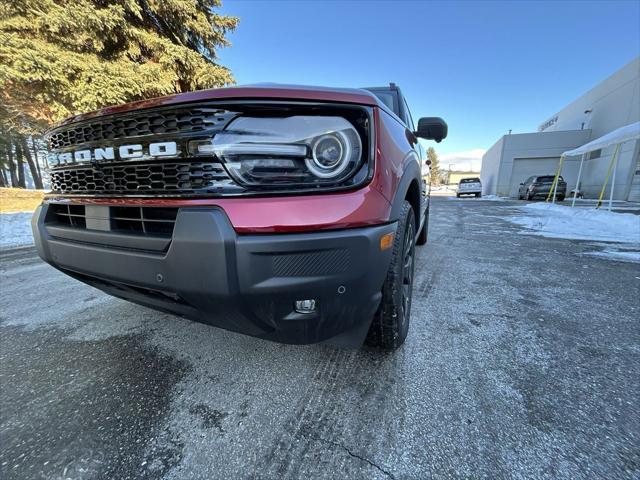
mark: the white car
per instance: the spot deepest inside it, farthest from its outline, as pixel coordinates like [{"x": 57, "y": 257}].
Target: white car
[{"x": 469, "y": 186}]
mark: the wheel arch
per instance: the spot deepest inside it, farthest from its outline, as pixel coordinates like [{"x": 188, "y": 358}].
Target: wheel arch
[{"x": 408, "y": 189}]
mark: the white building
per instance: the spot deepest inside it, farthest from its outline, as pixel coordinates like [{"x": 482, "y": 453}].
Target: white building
[{"x": 611, "y": 104}]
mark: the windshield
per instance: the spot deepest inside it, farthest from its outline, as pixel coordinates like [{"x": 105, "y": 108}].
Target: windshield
[
  {"x": 469, "y": 180},
  {"x": 549, "y": 179},
  {"x": 389, "y": 98}
]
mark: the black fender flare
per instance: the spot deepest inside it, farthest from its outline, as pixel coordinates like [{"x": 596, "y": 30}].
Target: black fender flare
[{"x": 411, "y": 173}]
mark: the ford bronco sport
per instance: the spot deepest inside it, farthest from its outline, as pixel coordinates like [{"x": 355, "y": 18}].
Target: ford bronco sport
[{"x": 287, "y": 213}]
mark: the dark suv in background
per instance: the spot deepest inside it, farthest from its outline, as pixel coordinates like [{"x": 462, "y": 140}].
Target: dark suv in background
[
  {"x": 288, "y": 213},
  {"x": 540, "y": 186}
]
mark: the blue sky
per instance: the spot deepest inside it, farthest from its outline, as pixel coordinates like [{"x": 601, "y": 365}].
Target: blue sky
[{"x": 485, "y": 67}]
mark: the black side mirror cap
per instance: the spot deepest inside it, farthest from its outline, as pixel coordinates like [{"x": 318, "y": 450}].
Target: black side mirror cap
[{"x": 432, "y": 128}]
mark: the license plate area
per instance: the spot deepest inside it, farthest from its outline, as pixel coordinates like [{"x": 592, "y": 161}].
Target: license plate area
[{"x": 97, "y": 217}]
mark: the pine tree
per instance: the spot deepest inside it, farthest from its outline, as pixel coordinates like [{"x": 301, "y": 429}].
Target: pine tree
[
  {"x": 63, "y": 57},
  {"x": 58, "y": 58},
  {"x": 435, "y": 165}
]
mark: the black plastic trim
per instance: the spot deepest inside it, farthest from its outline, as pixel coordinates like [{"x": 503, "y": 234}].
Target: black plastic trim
[
  {"x": 244, "y": 283},
  {"x": 109, "y": 239},
  {"x": 411, "y": 172}
]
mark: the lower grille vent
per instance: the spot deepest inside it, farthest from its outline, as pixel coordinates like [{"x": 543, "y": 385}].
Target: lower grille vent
[
  {"x": 69, "y": 215},
  {"x": 145, "y": 220},
  {"x": 152, "y": 221}
]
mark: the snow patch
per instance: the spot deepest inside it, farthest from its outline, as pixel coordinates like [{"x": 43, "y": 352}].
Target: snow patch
[
  {"x": 557, "y": 221},
  {"x": 493, "y": 198},
  {"x": 15, "y": 229},
  {"x": 622, "y": 256}
]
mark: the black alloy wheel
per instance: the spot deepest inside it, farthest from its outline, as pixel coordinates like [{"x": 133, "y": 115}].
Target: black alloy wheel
[{"x": 390, "y": 324}]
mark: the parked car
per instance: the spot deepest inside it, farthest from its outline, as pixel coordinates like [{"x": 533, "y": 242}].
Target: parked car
[
  {"x": 469, "y": 186},
  {"x": 288, "y": 213},
  {"x": 540, "y": 186}
]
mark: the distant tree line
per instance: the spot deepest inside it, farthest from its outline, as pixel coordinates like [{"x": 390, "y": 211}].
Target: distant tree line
[
  {"x": 16, "y": 152},
  {"x": 70, "y": 56}
]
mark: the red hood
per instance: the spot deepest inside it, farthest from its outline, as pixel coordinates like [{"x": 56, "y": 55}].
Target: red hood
[{"x": 265, "y": 91}]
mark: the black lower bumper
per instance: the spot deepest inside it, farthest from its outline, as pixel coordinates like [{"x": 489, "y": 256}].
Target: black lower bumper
[{"x": 244, "y": 283}]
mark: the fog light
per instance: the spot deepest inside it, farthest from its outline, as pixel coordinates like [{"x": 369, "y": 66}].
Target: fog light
[{"x": 305, "y": 306}]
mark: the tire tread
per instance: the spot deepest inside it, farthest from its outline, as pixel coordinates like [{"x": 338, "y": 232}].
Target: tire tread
[{"x": 385, "y": 331}]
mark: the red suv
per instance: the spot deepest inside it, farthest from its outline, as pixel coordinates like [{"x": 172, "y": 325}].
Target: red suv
[{"x": 287, "y": 213}]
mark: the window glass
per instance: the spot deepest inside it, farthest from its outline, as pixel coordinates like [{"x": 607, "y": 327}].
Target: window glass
[
  {"x": 409, "y": 119},
  {"x": 388, "y": 98},
  {"x": 547, "y": 179},
  {"x": 595, "y": 154}
]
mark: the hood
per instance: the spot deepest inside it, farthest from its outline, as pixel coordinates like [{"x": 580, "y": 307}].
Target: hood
[{"x": 259, "y": 91}]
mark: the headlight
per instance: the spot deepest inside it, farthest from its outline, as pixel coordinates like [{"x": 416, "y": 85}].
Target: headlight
[
  {"x": 287, "y": 151},
  {"x": 329, "y": 154}
]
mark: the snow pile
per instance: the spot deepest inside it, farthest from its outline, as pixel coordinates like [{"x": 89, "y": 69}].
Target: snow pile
[
  {"x": 558, "y": 221},
  {"x": 443, "y": 192},
  {"x": 493, "y": 198},
  {"x": 15, "y": 229}
]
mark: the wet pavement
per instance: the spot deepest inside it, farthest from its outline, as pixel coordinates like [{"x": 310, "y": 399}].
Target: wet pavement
[{"x": 522, "y": 361}]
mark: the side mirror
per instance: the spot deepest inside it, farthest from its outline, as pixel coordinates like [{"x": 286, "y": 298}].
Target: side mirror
[
  {"x": 432, "y": 128},
  {"x": 521, "y": 183}
]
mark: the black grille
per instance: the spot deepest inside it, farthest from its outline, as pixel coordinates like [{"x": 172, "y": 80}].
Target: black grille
[
  {"x": 157, "y": 221},
  {"x": 142, "y": 178},
  {"x": 147, "y": 220},
  {"x": 145, "y": 122},
  {"x": 69, "y": 215}
]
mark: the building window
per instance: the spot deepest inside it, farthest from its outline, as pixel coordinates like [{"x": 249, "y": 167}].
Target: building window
[{"x": 595, "y": 154}]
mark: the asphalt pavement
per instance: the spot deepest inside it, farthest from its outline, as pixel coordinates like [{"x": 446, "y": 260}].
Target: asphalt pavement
[{"x": 522, "y": 361}]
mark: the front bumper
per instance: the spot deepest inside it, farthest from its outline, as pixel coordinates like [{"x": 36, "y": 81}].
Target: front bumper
[{"x": 243, "y": 283}]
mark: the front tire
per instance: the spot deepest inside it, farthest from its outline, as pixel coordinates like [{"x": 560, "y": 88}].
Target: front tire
[
  {"x": 390, "y": 324},
  {"x": 424, "y": 232}
]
